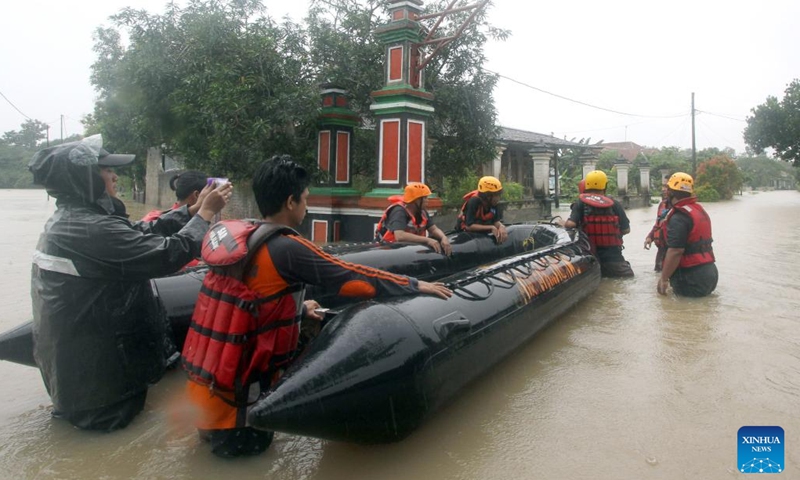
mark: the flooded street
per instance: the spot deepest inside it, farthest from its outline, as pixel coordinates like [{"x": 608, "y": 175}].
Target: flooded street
[{"x": 628, "y": 385}]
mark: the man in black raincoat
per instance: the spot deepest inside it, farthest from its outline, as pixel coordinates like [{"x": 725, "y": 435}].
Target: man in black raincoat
[{"x": 97, "y": 340}]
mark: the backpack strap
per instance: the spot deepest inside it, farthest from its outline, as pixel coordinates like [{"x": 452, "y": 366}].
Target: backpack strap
[{"x": 260, "y": 235}]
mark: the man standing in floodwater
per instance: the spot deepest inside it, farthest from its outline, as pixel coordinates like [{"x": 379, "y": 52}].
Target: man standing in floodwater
[
  {"x": 689, "y": 265},
  {"x": 605, "y": 222}
]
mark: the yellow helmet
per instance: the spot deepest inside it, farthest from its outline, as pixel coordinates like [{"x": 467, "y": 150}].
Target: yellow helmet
[
  {"x": 414, "y": 191},
  {"x": 681, "y": 182},
  {"x": 489, "y": 184},
  {"x": 596, "y": 180}
]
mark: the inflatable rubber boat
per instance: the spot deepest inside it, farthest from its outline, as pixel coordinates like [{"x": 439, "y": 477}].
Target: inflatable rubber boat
[
  {"x": 380, "y": 367},
  {"x": 176, "y": 295}
]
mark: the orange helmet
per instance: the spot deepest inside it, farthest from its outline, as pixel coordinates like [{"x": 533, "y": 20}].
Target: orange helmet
[
  {"x": 414, "y": 191},
  {"x": 681, "y": 182},
  {"x": 489, "y": 184}
]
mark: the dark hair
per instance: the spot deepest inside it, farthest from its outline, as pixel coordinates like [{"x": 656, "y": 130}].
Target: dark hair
[
  {"x": 275, "y": 181},
  {"x": 183, "y": 184}
]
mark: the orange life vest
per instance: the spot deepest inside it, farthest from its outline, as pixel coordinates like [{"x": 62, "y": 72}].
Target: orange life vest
[
  {"x": 483, "y": 215},
  {"x": 698, "y": 249},
  {"x": 600, "y": 222},
  {"x": 236, "y": 336},
  {"x": 417, "y": 228}
]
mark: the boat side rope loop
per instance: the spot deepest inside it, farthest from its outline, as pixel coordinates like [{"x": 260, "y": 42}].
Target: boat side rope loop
[
  {"x": 466, "y": 294},
  {"x": 524, "y": 265}
]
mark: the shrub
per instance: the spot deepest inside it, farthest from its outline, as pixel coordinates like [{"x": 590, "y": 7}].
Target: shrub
[
  {"x": 707, "y": 193},
  {"x": 722, "y": 174},
  {"x": 456, "y": 187},
  {"x": 512, "y": 191}
]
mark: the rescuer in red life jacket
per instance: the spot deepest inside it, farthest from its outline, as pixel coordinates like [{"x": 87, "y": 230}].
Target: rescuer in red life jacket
[
  {"x": 604, "y": 221},
  {"x": 408, "y": 221},
  {"x": 689, "y": 265},
  {"x": 230, "y": 361},
  {"x": 481, "y": 210}
]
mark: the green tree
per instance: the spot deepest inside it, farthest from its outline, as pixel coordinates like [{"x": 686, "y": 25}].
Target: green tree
[
  {"x": 672, "y": 159},
  {"x": 570, "y": 166},
  {"x": 606, "y": 160},
  {"x": 14, "y": 166},
  {"x": 760, "y": 171},
  {"x": 224, "y": 86},
  {"x": 16, "y": 149},
  {"x": 217, "y": 83},
  {"x": 721, "y": 173},
  {"x": 340, "y": 44},
  {"x": 28, "y": 136},
  {"x": 776, "y": 124},
  {"x": 464, "y": 124}
]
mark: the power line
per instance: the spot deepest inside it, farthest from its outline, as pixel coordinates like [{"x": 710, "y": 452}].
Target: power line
[
  {"x": 722, "y": 137},
  {"x": 722, "y": 116},
  {"x": 679, "y": 127},
  {"x": 15, "y": 107},
  {"x": 573, "y": 132},
  {"x": 580, "y": 102}
]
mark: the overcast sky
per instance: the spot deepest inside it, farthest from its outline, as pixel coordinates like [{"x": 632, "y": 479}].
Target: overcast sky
[{"x": 641, "y": 58}]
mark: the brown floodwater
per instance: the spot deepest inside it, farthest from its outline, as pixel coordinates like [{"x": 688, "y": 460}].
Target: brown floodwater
[{"x": 627, "y": 385}]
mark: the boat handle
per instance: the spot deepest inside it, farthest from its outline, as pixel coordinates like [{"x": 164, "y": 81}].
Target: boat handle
[{"x": 451, "y": 325}]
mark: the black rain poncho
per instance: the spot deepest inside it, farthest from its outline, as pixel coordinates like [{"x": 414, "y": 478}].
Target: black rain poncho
[{"x": 97, "y": 340}]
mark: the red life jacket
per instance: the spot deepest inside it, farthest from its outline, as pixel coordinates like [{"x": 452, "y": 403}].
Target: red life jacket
[
  {"x": 482, "y": 215},
  {"x": 417, "y": 228},
  {"x": 698, "y": 249},
  {"x": 155, "y": 214},
  {"x": 236, "y": 336},
  {"x": 660, "y": 228},
  {"x": 660, "y": 234},
  {"x": 600, "y": 222}
]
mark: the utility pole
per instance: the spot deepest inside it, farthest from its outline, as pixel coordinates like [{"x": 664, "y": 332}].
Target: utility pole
[
  {"x": 62, "y": 126},
  {"x": 694, "y": 148},
  {"x": 557, "y": 189},
  {"x": 48, "y": 135}
]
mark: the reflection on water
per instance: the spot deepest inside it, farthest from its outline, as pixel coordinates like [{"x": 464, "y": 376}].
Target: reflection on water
[{"x": 626, "y": 385}]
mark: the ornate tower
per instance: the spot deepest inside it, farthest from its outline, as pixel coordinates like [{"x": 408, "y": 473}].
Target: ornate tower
[
  {"x": 331, "y": 200},
  {"x": 402, "y": 107},
  {"x": 334, "y": 141}
]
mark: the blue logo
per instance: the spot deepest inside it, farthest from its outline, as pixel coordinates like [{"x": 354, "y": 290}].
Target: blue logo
[{"x": 761, "y": 450}]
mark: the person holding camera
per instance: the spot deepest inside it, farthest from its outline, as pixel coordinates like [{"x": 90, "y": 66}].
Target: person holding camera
[
  {"x": 187, "y": 187},
  {"x": 97, "y": 343}
]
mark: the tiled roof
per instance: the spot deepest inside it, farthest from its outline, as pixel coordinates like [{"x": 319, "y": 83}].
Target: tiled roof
[
  {"x": 628, "y": 150},
  {"x": 513, "y": 135}
]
